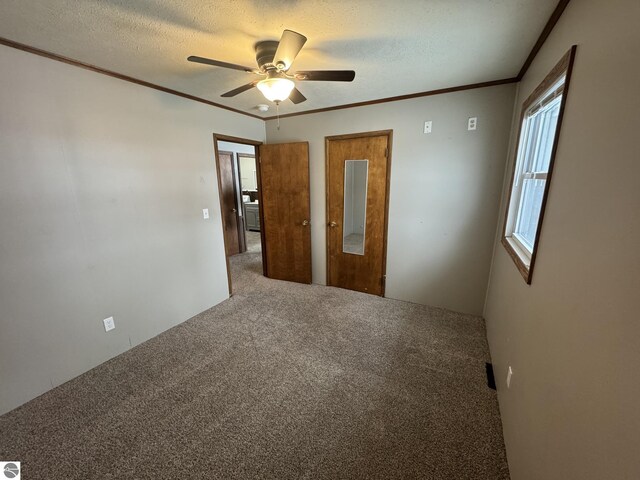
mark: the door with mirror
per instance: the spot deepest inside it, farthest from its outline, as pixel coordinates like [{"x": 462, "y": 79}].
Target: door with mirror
[{"x": 358, "y": 169}]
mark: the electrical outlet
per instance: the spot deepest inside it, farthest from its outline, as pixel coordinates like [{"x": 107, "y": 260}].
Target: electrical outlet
[
  {"x": 109, "y": 324},
  {"x": 472, "y": 123},
  {"x": 509, "y": 373},
  {"x": 205, "y": 213},
  {"x": 427, "y": 127}
]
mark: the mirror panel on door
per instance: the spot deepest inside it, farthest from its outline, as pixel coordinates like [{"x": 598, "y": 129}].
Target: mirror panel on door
[{"x": 355, "y": 206}]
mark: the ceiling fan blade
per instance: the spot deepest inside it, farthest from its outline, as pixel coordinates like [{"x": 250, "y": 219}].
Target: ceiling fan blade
[
  {"x": 218, "y": 63},
  {"x": 236, "y": 91},
  {"x": 296, "y": 96},
  {"x": 326, "y": 75},
  {"x": 290, "y": 45}
]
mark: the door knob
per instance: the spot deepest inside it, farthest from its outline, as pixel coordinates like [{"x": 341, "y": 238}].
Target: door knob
[
  {"x": 333, "y": 224},
  {"x": 305, "y": 223},
  {"x": 233, "y": 210}
]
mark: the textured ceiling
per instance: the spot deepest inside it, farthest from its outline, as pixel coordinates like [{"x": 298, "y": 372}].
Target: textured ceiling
[{"x": 396, "y": 48}]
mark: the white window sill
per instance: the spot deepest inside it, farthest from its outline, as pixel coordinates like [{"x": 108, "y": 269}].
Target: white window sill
[{"x": 523, "y": 255}]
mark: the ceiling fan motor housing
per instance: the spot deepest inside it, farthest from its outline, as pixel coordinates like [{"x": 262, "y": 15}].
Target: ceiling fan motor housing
[{"x": 265, "y": 51}]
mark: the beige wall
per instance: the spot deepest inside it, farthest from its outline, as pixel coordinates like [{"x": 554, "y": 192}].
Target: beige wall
[
  {"x": 573, "y": 336},
  {"x": 445, "y": 189},
  {"x": 248, "y": 177},
  {"x": 102, "y": 186}
]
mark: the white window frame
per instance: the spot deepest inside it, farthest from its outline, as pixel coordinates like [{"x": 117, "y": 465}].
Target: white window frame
[
  {"x": 551, "y": 93},
  {"x": 524, "y": 169}
]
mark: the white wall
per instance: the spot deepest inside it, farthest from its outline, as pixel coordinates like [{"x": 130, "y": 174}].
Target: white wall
[
  {"x": 445, "y": 189},
  {"x": 573, "y": 335},
  {"x": 102, "y": 186},
  {"x": 248, "y": 177},
  {"x": 236, "y": 147}
]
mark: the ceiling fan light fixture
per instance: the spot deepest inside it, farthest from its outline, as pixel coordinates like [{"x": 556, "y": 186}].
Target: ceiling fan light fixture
[
  {"x": 274, "y": 62},
  {"x": 276, "y": 89}
]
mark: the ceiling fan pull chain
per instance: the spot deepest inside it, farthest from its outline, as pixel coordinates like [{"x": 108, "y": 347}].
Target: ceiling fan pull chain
[{"x": 278, "y": 113}]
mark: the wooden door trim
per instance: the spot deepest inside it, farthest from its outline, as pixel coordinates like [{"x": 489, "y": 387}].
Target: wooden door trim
[
  {"x": 309, "y": 210},
  {"x": 263, "y": 237},
  {"x": 220, "y": 200},
  {"x": 245, "y": 141},
  {"x": 386, "y": 211},
  {"x": 348, "y": 136},
  {"x": 230, "y": 139},
  {"x": 236, "y": 183},
  {"x": 242, "y": 238}
]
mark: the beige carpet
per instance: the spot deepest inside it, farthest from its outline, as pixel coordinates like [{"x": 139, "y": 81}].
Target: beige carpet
[
  {"x": 282, "y": 381},
  {"x": 253, "y": 242}
]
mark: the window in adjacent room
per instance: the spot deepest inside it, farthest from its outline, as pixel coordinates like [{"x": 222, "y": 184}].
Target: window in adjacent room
[{"x": 537, "y": 141}]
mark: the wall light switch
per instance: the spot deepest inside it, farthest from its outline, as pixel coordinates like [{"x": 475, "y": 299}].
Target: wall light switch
[
  {"x": 427, "y": 127},
  {"x": 109, "y": 324},
  {"x": 205, "y": 213},
  {"x": 509, "y": 373},
  {"x": 472, "y": 123}
]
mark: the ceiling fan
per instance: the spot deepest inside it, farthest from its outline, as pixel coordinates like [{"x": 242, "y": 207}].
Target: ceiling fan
[{"x": 274, "y": 62}]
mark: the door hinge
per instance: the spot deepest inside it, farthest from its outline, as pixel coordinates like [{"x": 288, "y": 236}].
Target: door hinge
[
  {"x": 386, "y": 153},
  {"x": 383, "y": 281}
]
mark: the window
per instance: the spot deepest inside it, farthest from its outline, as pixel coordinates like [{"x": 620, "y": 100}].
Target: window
[{"x": 539, "y": 131}]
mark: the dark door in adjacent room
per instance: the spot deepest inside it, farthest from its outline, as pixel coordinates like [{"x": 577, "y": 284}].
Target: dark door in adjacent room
[
  {"x": 285, "y": 210},
  {"x": 228, "y": 202},
  {"x": 357, "y": 179}
]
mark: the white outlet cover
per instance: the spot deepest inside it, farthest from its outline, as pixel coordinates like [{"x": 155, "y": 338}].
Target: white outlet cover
[
  {"x": 109, "y": 324},
  {"x": 509, "y": 373},
  {"x": 205, "y": 213},
  {"x": 427, "y": 126},
  {"x": 472, "y": 124}
]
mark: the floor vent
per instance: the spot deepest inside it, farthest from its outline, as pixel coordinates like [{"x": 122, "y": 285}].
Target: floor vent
[{"x": 491, "y": 380}]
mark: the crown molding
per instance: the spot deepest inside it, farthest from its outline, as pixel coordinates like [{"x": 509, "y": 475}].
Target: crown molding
[
  {"x": 110, "y": 73},
  {"x": 428, "y": 93},
  {"x": 555, "y": 16},
  {"x": 546, "y": 31}
]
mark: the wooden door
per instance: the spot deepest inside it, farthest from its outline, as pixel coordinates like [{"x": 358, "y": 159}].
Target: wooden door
[
  {"x": 364, "y": 270},
  {"x": 285, "y": 210},
  {"x": 228, "y": 204}
]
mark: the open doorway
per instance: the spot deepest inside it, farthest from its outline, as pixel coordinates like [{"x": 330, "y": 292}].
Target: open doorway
[
  {"x": 239, "y": 189},
  {"x": 248, "y": 180},
  {"x": 264, "y": 194}
]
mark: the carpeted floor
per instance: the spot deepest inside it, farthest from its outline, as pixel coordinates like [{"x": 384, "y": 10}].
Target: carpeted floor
[
  {"x": 253, "y": 241},
  {"x": 282, "y": 381}
]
